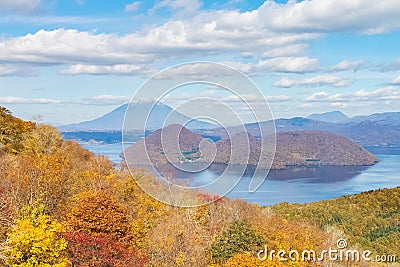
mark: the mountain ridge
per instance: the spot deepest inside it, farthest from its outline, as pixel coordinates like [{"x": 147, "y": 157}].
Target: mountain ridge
[{"x": 378, "y": 129}]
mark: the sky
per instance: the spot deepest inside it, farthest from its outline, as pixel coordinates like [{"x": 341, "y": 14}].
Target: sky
[{"x": 75, "y": 60}]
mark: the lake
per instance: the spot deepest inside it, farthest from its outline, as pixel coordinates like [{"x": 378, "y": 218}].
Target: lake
[{"x": 296, "y": 184}]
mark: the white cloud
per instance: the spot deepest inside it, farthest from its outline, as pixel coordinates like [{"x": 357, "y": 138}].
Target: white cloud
[
  {"x": 272, "y": 30},
  {"x": 256, "y": 99},
  {"x": 281, "y": 64},
  {"x": 105, "y": 100},
  {"x": 381, "y": 94},
  {"x": 70, "y": 47},
  {"x": 386, "y": 93},
  {"x": 363, "y": 16},
  {"x": 134, "y": 6},
  {"x": 208, "y": 33},
  {"x": 320, "y": 80},
  {"x": 348, "y": 65},
  {"x": 21, "y": 100},
  {"x": 14, "y": 70},
  {"x": 324, "y": 96},
  {"x": 339, "y": 105},
  {"x": 119, "y": 69},
  {"x": 277, "y": 98},
  {"x": 199, "y": 71},
  {"x": 396, "y": 81},
  {"x": 393, "y": 66},
  {"x": 289, "y": 50},
  {"x": 100, "y": 100},
  {"x": 23, "y": 6}
]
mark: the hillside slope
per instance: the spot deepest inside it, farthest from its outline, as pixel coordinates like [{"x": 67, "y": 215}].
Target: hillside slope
[{"x": 370, "y": 219}]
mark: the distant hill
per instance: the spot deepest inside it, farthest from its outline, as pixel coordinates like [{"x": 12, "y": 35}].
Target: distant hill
[
  {"x": 319, "y": 148},
  {"x": 299, "y": 148},
  {"x": 332, "y": 116},
  {"x": 296, "y": 148},
  {"x": 388, "y": 118},
  {"x": 374, "y": 130},
  {"x": 137, "y": 113}
]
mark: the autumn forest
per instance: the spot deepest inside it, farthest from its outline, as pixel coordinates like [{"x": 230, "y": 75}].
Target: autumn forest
[{"x": 61, "y": 205}]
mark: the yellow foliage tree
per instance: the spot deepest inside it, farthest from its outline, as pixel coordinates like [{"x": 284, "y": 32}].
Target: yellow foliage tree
[
  {"x": 242, "y": 260},
  {"x": 35, "y": 240}
]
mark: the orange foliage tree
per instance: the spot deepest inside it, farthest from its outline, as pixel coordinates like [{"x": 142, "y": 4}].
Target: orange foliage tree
[{"x": 98, "y": 212}]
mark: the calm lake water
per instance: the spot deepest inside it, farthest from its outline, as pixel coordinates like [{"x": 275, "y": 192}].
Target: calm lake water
[{"x": 297, "y": 184}]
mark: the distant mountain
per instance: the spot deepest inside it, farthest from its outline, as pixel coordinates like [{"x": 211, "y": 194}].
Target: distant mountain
[
  {"x": 388, "y": 118},
  {"x": 297, "y": 148},
  {"x": 369, "y": 133},
  {"x": 374, "y": 130},
  {"x": 139, "y": 114},
  {"x": 332, "y": 116},
  {"x": 380, "y": 129},
  {"x": 281, "y": 125}
]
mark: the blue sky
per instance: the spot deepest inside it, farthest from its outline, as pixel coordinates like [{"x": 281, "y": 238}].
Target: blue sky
[{"x": 72, "y": 61}]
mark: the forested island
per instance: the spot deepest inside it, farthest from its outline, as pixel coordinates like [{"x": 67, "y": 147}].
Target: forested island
[{"x": 296, "y": 148}]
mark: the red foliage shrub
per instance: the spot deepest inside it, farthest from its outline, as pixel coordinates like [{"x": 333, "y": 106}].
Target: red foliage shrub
[{"x": 101, "y": 250}]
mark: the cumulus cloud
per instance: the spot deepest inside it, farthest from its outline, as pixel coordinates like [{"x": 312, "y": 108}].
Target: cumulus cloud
[
  {"x": 69, "y": 47},
  {"x": 386, "y": 94},
  {"x": 281, "y": 64},
  {"x": 348, "y": 65},
  {"x": 320, "y": 80},
  {"x": 207, "y": 33},
  {"x": 22, "y": 6},
  {"x": 367, "y": 16},
  {"x": 277, "y": 32},
  {"x": 132, "y": 6},
  {"x": 105, "y": 100},
  {"x": 118, "y": 69},
  {"x": 21, "y": 100}
]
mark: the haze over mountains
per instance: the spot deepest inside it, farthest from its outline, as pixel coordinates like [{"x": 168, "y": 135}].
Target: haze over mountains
[{"x": 380, "y": 129}]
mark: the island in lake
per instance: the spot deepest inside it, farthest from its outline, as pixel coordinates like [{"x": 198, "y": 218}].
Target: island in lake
[{"x": 175, "y": 143}]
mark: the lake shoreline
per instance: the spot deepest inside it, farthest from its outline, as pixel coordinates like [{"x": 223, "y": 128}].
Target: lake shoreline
[{"x": 310, "y": 183}]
